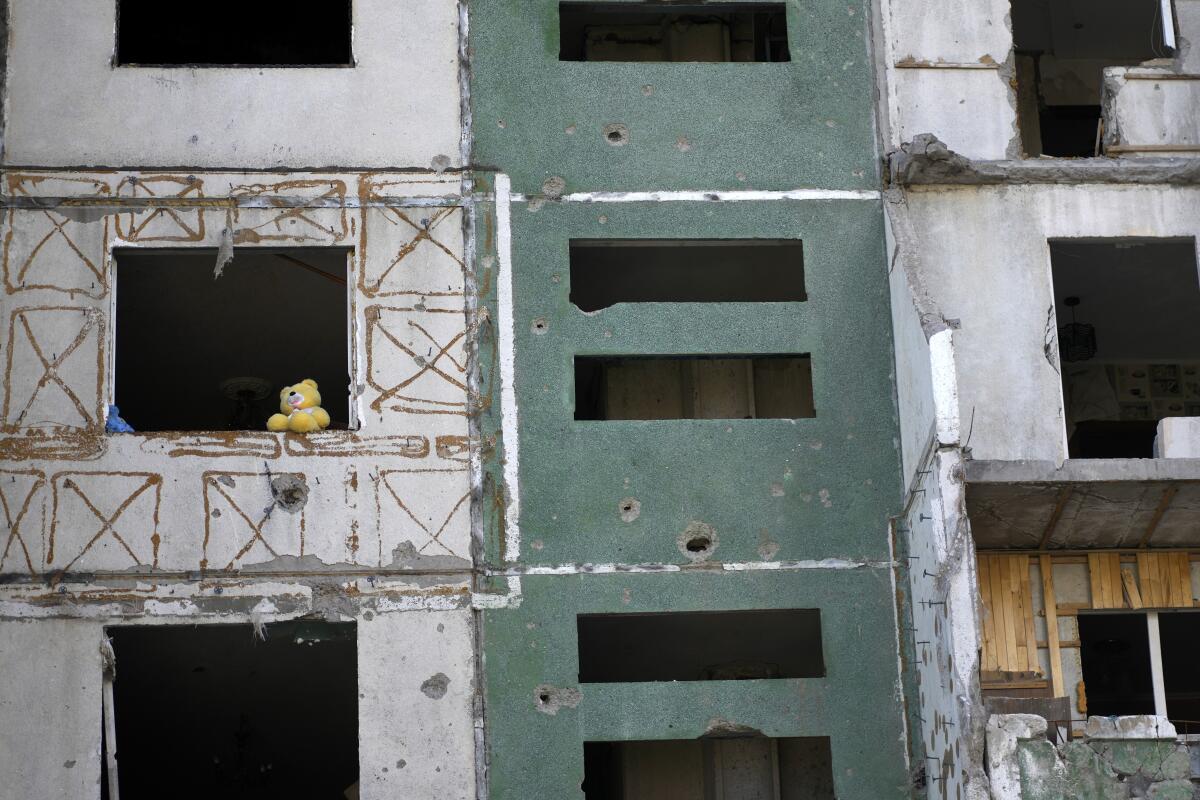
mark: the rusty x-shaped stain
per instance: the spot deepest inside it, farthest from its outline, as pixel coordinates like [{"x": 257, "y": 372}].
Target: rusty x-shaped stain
[
  {"x": 256, "y": 534},
  {"x": 107, "y": 523},
  {"x": 434, "y": 536},
  {"x": 423, "y": 235},
  {"x": 50, "y": 368},
  {"x": 14, "y": 524},
  {"x": 57, "y": 226},
  {"x": 427, "y": 365}
]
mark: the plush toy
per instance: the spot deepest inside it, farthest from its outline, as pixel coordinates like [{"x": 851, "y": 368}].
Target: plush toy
[{"x": 301, "y": 407}]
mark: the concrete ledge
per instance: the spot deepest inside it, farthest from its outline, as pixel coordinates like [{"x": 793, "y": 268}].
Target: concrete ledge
[
  {"x": 926, "y": 161},
  {"x": 1084, "y": 470}
]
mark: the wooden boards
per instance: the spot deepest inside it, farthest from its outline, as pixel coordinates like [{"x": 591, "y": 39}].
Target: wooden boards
[
  {"x": 1050, "y": 604},
  {"x": 1108, "y": 590},
  {"x": 1166, "y": 580},
  {"x": 1009, "y": 643}
]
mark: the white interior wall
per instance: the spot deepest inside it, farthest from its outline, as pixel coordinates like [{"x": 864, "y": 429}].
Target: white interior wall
[
  {"x": 986, "y": 262},
  {"x": 68, "y": 105}
]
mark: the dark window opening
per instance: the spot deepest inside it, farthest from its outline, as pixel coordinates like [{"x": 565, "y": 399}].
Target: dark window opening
[
  {"x": 1114, "y": 650},
  {"x": 724, "y": 768},
  {"x": 693, "y": 387},
  {"x": 1061, "y": 52},
  {"x": 700, "y": 646},
  {"x": 609, "y": 271},
  {"x": 1179, "y": 635},
  {"x": 195, "y": 352},
  {"x": 213, "y": 711},
  {"x": 261, "y": 33},
  {"x": 1128, "y": 343},
  {"x": 646, "y": 32}
]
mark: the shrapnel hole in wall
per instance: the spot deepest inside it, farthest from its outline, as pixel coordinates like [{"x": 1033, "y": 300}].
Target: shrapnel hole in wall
[
  {"x": 195, "y": 352},
  {"x": 648, "y": 32},
  {"x": 693, "y": 387},
  {"x": 1140, "y": 298},
  {"x": 261, "y": 33},
  {"x": 700, "y": 646},
  {"x": 214, "y": 711},
  {"x": 605, "y": 272},
  {"x": 710, "y": 768},
  {"x": 1061, "y": 52}
]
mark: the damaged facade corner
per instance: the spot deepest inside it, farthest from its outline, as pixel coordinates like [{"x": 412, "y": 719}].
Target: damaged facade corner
[{"x": 1057, "y": 527}]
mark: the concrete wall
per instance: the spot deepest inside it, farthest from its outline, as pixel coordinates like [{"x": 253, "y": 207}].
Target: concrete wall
[
  {"x": 401, "y": 98},
  {"x": 372, "y": 524},
  {"x": 986, "y": 262}
]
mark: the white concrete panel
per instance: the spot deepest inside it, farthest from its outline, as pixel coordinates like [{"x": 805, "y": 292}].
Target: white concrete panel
[
  {"x": 986, "y": 261},
  {"x": 416, "y": 689},
  {"x": 971, "y": 110},
  {"x": 68, "y": 105},
  {"x": 1157, "y": 113},
  {"x": 945, "y": 30},
  {"x": 50, "y": 708}
]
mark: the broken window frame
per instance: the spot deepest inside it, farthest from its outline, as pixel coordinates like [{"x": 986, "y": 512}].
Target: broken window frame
[
  {"x": 118, "y": 63},
  {"x": 353, "y": 400}
]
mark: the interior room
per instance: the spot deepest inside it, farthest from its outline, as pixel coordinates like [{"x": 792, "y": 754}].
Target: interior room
[
  {"x": 200, "y": 351},
  {"x": 1128, "y": 341},
  {"x": 1062, "y": 48}
]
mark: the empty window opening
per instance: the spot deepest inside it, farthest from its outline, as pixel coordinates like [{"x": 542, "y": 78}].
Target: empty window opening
[
  {"x": 1119, "y": 652},
  {"x": 713, "y": 32},
  {"x": 700, "y": 646},
  {"x": 717, "y": 768},
  {"x": 1115, "y": 653},
  {"x": 214, "y": 711},
  {"x": 609, "y": 271},
  {"x": 262, "y": 33},
  {"x": 693, "y": 387},
  {"x": 1128, "y": 342},
  {"x": 196, "y": 352},
  {"x": 1061, "y": 52}
]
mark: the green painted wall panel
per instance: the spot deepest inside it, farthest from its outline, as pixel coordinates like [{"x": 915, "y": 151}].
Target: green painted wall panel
[
  {"x": 807, "y": 122},
  {"x": 538, "y": 755},
  {"x": 819, "y": 487}
]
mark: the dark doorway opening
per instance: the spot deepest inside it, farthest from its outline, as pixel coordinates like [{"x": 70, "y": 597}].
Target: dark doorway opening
[
  {"x": 717, "y": 768},
  {"x": 1114, "y": 650},
  {"x": 260, "y": 33},
  {"x": 605, "y": 272},
  {"x": 213, "y": 711},
  {"x": 700, "y": 646},
  {"x": 693, "y": 387},
  {"x": 714, "y": 32},
  {"x": 196, "y": 352}
]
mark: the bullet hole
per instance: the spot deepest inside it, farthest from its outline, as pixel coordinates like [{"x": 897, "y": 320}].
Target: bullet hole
[
  {"x": 777, "y": 490},
  {"x": 440, "y": 164},
  {"x": 500, "y": 124},
  {"x": 602, "y": 219},
  {"x": 216, "y": 513},
  {"x": 539, "y": 326},
  {"x": 647, "y": 90},
  {"x": 435, "y": 687},
  {"x": 401, "y": 764},
  {"x": 698, "y": 541},
  {"x": 616, "y": 134},
  {"x": 682, "y": 144},
  {"x": 554, "y": 186},
  {"x": 630, "y": 508},
  {"x": 225, "y": 480},
  {"x": 570, "y": 130},
  {"x": 69, "y": 764},
  {"x": 290, "y": 492},
  {"x": 551, "y": 699},
  {"x": 441, "y": 628}
]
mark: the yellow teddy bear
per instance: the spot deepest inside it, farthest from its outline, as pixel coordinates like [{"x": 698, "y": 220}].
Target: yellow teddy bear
[{"x": 301, "y": 407}]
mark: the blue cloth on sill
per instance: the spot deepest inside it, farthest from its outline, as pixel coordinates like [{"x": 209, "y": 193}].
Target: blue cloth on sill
[{"x": 114, "y": 423}]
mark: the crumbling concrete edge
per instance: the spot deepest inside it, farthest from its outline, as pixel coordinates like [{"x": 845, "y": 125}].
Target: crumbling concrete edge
[{"x": 927, "y": 161}]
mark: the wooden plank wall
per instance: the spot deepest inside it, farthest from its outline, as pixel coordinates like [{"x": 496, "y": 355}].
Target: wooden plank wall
[
  {"x": 1009, "y": 642},
  {"x": 1166, "y": 580}
]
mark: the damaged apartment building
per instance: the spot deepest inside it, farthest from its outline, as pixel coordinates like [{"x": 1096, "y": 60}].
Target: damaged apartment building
[
  {"x": 1043, "y": 207},
  {"x": 728, "y": 400}
]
